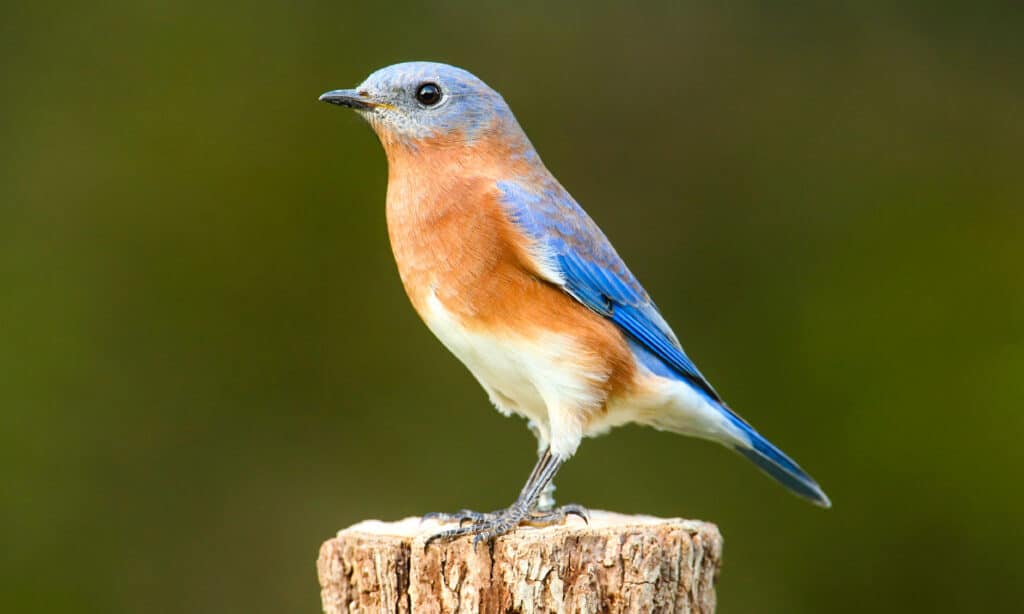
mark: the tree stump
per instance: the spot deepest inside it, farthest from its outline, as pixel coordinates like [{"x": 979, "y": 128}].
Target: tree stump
[{"x": 617, "y": 563}]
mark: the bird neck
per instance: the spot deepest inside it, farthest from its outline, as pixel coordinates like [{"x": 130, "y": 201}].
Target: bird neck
[{"x": 432, "y": 173}]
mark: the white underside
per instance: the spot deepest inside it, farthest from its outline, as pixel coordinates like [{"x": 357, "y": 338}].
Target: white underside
[{"x": 546, "y": 378}]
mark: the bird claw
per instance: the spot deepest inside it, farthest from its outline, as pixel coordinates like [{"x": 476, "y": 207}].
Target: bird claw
[
  {"x": 460, "y": 516},
  {"x": 558, "y": 515},
  {"x": 482, "y": 526},
  {"x": 488, "y": 526}
]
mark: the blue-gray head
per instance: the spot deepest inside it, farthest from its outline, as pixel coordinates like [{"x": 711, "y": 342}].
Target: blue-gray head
[{"x": 419, "y": 100}]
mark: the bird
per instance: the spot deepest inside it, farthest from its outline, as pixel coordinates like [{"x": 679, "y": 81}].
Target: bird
[{"x": 517, "y": 281}]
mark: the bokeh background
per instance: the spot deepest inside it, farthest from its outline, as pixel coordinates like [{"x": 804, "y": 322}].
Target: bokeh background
[{"x": 208, "y": 366}]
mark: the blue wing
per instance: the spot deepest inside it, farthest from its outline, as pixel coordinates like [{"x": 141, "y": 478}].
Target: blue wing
[{"x": 593, "y": 273}]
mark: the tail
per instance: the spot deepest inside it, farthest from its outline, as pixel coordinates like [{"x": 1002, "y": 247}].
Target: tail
[
  {"x": 692, "y": 411},
  {"x": 775, "y": 463}
]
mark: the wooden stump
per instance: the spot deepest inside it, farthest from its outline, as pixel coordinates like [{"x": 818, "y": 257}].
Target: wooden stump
[{"x": 616, "y": 564}]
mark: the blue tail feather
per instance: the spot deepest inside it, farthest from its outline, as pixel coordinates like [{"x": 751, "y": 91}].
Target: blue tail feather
[
  {"x": 760, "y": 451},
  {"x": 775, "y": 463}
]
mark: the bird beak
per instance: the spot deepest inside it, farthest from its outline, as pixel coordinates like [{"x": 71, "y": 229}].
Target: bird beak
[{"x": 360, "y": 101}]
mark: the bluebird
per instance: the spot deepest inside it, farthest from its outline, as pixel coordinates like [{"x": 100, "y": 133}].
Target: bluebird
[{"x": 520, "y": 284}]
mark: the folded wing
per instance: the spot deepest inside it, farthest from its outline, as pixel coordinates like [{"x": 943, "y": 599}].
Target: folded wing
[{"x": 578, "y": 257}]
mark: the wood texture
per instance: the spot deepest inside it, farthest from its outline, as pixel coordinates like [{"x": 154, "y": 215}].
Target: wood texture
[{"x": 616, "y": 564}]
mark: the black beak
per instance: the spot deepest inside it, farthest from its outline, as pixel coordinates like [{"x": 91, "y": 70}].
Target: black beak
[{"x": 348, "y": 98}]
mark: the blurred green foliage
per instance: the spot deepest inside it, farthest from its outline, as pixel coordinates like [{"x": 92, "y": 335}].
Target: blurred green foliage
[{"x": 207, "y": 363}]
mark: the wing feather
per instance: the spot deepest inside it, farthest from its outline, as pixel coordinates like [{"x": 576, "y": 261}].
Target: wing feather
[{"x": 590, "y": 270}]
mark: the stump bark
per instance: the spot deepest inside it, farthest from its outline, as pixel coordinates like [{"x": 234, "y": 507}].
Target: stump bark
[{"x": 617, "y": 563}]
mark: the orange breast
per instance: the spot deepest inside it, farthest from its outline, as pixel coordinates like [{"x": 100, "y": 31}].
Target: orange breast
[{"x": 451, "y": 238}]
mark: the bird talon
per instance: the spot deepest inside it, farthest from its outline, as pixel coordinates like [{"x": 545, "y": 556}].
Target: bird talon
[
  {"x": 579, "y": 511},
  {"x": 483, "y": 527},
  {"x": 461, "y": 516},
  {"x": 559, "y": 515}
]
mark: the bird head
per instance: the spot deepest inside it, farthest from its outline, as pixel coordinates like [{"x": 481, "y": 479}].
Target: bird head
[{"x": 415, "y": 102}]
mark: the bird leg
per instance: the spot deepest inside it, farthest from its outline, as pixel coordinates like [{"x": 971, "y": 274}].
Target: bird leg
[
  {"x": 546, "y": 500},
  {"x": 523, "y": 511}
]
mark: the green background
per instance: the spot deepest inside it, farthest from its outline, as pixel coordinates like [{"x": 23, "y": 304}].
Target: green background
[{"x": 208, "y": 365}]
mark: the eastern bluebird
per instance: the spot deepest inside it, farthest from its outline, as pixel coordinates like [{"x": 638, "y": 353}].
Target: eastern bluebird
[{"x": 517, "y": 281}]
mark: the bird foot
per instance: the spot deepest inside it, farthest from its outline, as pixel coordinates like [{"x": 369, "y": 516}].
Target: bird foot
[
  {"x": 460, "y": 516},
  {"x": 485, "y": 526},
  {"x": 557, "y": 515}
]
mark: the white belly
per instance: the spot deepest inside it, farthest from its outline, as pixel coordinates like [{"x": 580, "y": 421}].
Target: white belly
[{"x": 538, "y": 375}]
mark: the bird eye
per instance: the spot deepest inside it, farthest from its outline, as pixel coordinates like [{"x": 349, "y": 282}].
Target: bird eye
[{"x": 428, "y": 94}]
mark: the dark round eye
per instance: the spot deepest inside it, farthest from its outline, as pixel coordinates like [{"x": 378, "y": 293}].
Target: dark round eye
[{"x": 428, "y": 94}]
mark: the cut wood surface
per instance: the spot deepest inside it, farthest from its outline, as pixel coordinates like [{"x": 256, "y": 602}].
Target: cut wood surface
[{"x": 617, "y": 563}]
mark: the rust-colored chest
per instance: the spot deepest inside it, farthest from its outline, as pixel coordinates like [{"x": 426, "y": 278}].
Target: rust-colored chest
[{"x": 451, "y": 241}]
